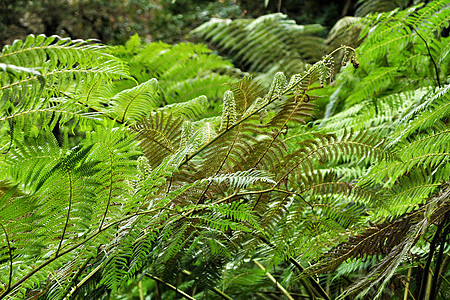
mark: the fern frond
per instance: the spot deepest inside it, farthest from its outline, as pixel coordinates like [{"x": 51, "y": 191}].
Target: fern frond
[
  {"x": 437, "y": 208},
  {"x": 134, "y": 104},
  {"x": 246, "y": 91},
  {"x": 427, "y": 115},
  {"x": 365, "y": 7},
  {"x": 159, "y": 136},
  {"x": 344, "y": 32},
  {"x": 270, "y": 40},
  {"x": 184, "y": 71},
  {"x": 63, "y": 69},
  {"x": 191, "y": 109},
  {"x": 242, "y": 179},
  {"x": 380, "y": 115},
  {"x": 376, "y": 240},
  {"x": 212, "y": 86},
  {"x": 427, "y": 152},
  {"x": 331, "y": 148}
]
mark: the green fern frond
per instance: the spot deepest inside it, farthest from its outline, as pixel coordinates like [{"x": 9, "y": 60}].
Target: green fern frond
[
  {"x": 427, "y": 115},
  {"x": 192, "y": 109},
  {"x": 374, "y": 84},
  {"x": 331, "y": 148},
  {"x": 64, "y": 69},
  {"x": 242, "y": 179},
  {"x": 184, "y": 71},
  {"x": 365, "y": 7},
  {"x": 212, "y": 86},
  {"x": 246, "y": 91},
  {"x": 253, "y": 42},
  {"x": 134, "y": 104},
  {"x": 380, "y": 115},
  {"x": 426, "y": 152}
]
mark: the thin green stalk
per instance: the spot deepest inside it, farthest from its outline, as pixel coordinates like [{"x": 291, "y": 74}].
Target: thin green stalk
[
  {"x": 172, "y": 287},
  {"x": 408, "y": 282},
  {"x": 10, "y": 258},
  {"x": 278, "y": 285},
  {"x": 214, "y": 289}
]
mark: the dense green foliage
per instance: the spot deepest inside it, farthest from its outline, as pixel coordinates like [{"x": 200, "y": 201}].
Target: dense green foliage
[{"x": 162, "y": 169}]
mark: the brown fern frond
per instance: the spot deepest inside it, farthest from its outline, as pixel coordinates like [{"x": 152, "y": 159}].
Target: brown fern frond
[
  {"x": 159, "y": 136},
  {"x": 389, "y": 238},
  {"x": 292, "y": 111},
  {"x": 265, "y": 152},
  {"x": 246, "y": 91}
]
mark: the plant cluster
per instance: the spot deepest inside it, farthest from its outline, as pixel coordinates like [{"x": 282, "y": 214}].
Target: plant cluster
[{"x": 135, "y": 169}]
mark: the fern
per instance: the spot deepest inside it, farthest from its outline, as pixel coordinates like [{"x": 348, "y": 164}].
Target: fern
[
  {"x": 269, "y": 43},
  {"x": 151, "y": 179},
  {"x": 135, "y": 103},
  {"x": 184, "y": 71}
]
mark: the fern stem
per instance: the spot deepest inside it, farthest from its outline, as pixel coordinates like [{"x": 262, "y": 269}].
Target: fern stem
[
  {"x": 432, "y": 59},
  {"x": 441, "y": 274},
  {"x": 10, "y": 258},
  {"x": 408, "y": 283},
  {"x": 85, "y": 279},
  {"x": 173, "y": 288},
  {"x": 426, "y": 269},
  {"x": 316, "y": 287},
  {"x": 68, "y": 214},
  {"x": 141, "y": 292},
  {"x": 75, "y": 278},
  {"x": 110, "y": 187},
  {"x": 278, "y": 285},
  {"x": 438, "y": 264}
]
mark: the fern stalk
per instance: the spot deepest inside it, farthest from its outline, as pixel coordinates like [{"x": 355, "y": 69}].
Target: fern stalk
[
  {"x": 173, "y": 288},
  {"x": 68, "y": 213},
  {"x": 277, "y": 284},
  {"x": 10, "y": 258}
]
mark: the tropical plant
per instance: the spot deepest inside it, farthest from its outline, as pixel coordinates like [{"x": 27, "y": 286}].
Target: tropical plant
[
  {"x": 267, "y": 44},
  {"x": 92, "y": 204},
  {"x": 401, "y": 90},
  {"x": 107, "y": 190},
  {"x": 184, "y": 71}
]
